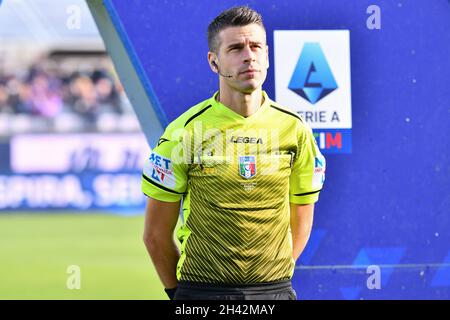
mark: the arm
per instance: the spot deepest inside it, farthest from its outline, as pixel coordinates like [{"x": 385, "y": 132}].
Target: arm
[
  {"x": 301, "y": 224},
  {"x": 160, "y": 221}
]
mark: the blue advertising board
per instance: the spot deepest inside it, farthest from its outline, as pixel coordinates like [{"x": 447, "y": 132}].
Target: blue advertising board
[
  {"x": 79, "y": 172},
  {"x": 382, "y": 224}
]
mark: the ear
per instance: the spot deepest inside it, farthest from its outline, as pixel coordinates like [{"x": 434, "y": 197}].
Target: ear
[
  {"x": 267, "y": 57},
  {"x": 212, "y": 57}
]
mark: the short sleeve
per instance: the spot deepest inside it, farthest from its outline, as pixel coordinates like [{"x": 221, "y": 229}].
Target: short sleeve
[
  {"x": 164, "y": 175},
  {"x": 308, "y": 171}
]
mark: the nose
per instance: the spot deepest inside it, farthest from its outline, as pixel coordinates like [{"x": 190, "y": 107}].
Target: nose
[{"x": 248, "y": 55}]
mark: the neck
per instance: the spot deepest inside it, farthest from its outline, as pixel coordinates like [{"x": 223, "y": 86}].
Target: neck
[{"x": 244, "y": 104}]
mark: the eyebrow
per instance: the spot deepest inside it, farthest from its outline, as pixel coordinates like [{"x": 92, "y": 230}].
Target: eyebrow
[{"x": 241, "y": 44}]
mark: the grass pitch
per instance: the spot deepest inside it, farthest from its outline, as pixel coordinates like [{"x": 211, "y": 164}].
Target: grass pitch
[{"x": 37, "y": 249}]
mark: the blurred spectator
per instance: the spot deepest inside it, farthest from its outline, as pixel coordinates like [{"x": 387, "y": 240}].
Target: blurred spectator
[
  {"x": 46, "y": 97},
  {"x": 5, "y": 106},
  {"x": 21, "y": 95},
  {"x": 47, "y": 90},
  {"x": 85, "y": 96},
  {"x": 107, "y": 97}
]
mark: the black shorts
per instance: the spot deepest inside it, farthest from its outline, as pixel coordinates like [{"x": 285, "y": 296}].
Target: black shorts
[{"x": 281, "y": 290}]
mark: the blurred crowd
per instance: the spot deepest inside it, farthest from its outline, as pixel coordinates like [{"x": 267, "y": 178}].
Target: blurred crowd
[{"x": 46, "y": 96}]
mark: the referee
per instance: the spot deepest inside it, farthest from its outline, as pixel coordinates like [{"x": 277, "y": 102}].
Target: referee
[{"x": 246, "y": 173}]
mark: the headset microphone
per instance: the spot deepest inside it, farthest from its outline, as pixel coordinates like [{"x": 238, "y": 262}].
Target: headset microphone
[{"x": 218, "y": 71}]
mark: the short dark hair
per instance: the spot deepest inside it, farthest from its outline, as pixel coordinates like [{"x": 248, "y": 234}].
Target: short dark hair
[{"x": 233, "y": 17}]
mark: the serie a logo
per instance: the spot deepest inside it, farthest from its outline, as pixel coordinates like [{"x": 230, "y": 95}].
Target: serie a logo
[{"x": 312, "y": 78}]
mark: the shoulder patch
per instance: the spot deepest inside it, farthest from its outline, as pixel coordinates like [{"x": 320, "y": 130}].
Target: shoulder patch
[
  {"x": 160, "y": 170},
  {"x": 319, "y": 171}
]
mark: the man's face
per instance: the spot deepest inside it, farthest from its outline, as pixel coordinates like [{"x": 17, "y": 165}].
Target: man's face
[{"x": 242, "y": 53}]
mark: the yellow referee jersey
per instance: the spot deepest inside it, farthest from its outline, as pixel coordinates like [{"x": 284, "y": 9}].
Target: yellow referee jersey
[{"x": 236, "y": 176}]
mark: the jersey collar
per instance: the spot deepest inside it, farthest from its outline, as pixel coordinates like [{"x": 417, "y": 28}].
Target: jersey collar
[{"x": 226, "y": 111}]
